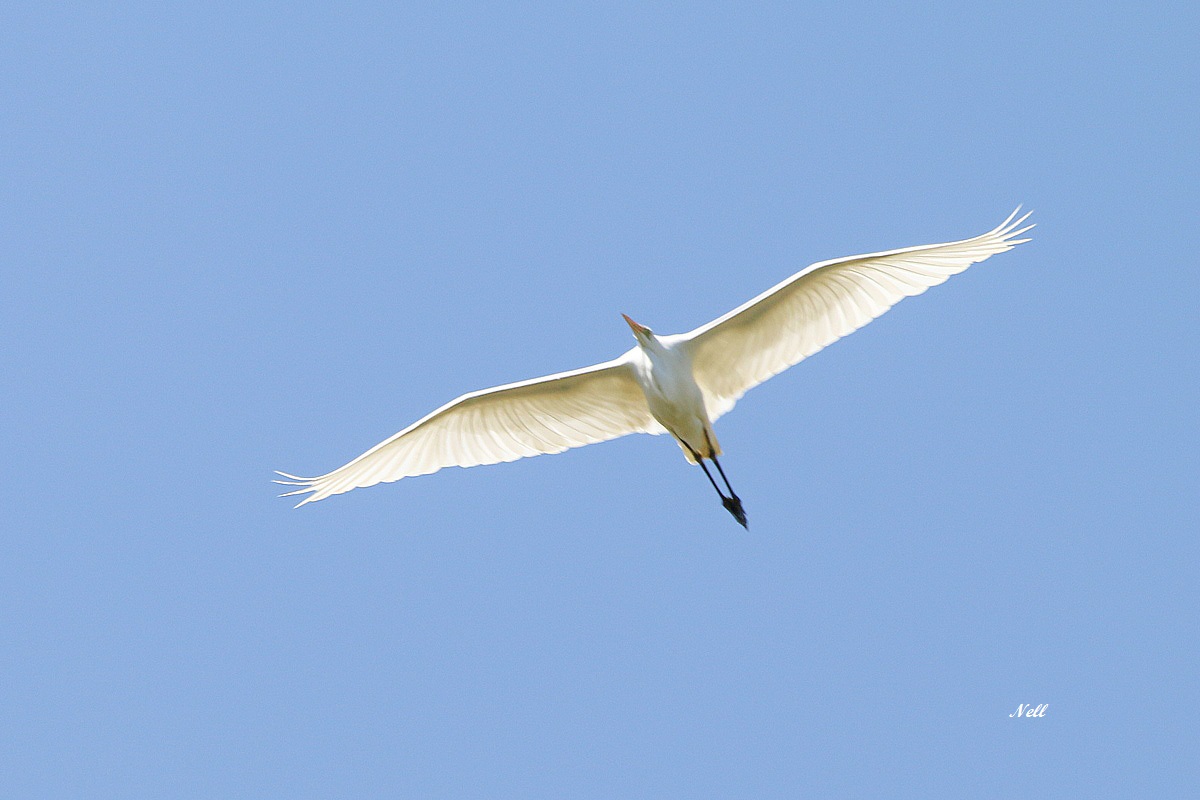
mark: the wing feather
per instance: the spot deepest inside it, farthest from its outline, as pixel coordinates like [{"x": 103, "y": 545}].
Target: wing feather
[
  {"x": 820, "y": 305},
  {"x": 544, "y": 415}
]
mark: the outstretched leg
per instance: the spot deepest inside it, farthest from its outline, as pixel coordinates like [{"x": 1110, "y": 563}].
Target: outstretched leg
[
  {"x": 732, "y": 504},
  {"x": 708, "y": 475},
  {"x": 732, "y": 493}
]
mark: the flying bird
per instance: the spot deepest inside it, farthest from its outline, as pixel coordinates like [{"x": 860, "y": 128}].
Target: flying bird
[{"x": 678, "y": 384}]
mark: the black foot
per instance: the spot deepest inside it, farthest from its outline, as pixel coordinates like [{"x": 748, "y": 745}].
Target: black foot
[{"x": 734, "y": 506}]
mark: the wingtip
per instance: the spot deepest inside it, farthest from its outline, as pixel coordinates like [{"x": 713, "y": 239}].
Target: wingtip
[
  {"x": 305, "y": 484},
  {"x": 305, "y": 487},
  {"x": 306, "y": 490},
  {"x": 1011, "y": 227}
]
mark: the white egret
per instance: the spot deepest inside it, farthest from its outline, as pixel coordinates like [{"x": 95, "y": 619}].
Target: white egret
[{"x": 677, "y": 384}]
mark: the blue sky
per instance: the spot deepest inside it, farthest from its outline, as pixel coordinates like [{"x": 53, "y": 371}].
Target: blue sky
[{"x": 246, "y": 237}]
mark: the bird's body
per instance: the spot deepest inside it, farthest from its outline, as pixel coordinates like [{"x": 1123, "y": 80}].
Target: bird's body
[
  {"x": 678, "y": 384},
  {"x": 663, "y": 369}
]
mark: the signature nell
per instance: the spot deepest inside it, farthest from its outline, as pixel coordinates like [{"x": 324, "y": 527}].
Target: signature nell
[{"x": 1024, "y": 710}]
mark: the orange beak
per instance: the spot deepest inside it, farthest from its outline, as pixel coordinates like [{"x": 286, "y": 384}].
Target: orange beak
[{"x": 642, "y": 329}]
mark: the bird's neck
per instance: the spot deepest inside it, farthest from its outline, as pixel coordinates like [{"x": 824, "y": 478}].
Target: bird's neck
[{"x": 652, "y": 346}]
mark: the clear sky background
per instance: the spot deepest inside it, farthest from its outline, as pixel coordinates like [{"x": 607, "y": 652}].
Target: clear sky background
[{"x": 244, "y": 237}]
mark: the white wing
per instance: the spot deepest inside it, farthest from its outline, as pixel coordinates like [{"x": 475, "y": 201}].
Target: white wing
[
  {"x": 543, "y": 415},
  {"x": 821, "y": 304}
]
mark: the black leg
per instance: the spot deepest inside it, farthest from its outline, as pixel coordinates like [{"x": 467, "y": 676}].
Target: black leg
[
  {"x": 707, "y": 474},
  {"x": 732, "y": 493},
  {"x": 732, "y": 504}
]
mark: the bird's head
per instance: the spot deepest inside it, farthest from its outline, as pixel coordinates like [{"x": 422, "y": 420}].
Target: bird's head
[{"x": 643, "y": 334}]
